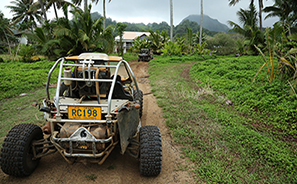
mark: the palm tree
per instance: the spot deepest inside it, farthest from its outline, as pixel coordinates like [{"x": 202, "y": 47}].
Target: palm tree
[
  {"x": 83, "y": 34},
  {"x": 78, "y": 2},
  {"x": 104, "y": 14},
  {"x": 57, "y": 4},
  {"x": 201, "y": 22},
  {"x": 171, "y": 20},
  {"x": 281, "y": 9},
  {"x": 234, "y": 2},
  {"x": 5, "y": 31},
  {"x": 249, "y": 29},
  {"x": 25, "y": 11},
  {"x": 120, "y": 29},
  {"x": 42, "y": 9}
]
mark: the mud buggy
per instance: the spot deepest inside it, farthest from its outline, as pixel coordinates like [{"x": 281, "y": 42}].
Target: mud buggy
[
  {"x": 145, "y": 55},
  {"x": 97, "y": 106}
]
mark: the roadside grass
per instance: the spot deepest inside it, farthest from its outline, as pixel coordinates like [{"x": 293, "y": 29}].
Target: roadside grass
[
  {"x": 129, "y": 56},
  {"x": 222, "y": 143},
  {"x": 270, "y": 107},
  {"x": 18, "y": 77},
  {"x": 8, "y": 57},
  {"x": 20, "y": 110}
]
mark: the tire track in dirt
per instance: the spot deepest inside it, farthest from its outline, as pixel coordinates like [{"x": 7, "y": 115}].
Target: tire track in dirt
[{"x": 117, "y": 168}]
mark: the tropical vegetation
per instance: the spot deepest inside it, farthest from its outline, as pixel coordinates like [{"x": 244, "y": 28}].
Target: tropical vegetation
[{"x": 235, "y": 115}]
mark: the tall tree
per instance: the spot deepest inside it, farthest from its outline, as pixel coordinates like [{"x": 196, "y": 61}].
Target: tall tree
[
  {"x": 201, "y": 23},
  {"x": 234, "y": 2},
  {"x": 57, "y": 4},
  {"x": 171, "y": 20},
  {"x": 78, "y": 2},
  {"x": 282, "y": 9},
  {"x": 120, "y": 29},
  {"x": 25, "y": 11},
  {"x": 104, "y": 14},
  {"x": 249, "y": 29},
  {"x": 5, "y": 32},
  {"x": 42, "y": 9},
  {"x": 83, "y": 34}
]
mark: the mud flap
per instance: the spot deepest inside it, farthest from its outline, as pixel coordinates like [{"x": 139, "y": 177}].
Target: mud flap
[{"x": 128, "y": 122}]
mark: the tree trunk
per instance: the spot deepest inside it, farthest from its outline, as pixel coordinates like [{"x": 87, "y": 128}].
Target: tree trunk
[
  {"x": 201, "y": 23},
  {"x": 86, "y": 5},
  {"x": 104, "y": 15},
  {"x": 55, "y": 11},
  {"x": 171, "y": 21},
  {"x": 42, "y": 9},
  {"x": 260, "y": 13}
]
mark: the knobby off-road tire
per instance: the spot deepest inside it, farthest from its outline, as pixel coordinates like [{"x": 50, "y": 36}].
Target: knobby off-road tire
[
  {"x": 140, "y": 101},
  {"x": 16, "y": 152},
  {"x": 150, "y": 151}
]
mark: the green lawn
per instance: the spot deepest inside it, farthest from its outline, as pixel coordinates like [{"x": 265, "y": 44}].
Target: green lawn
[{"x": 227, "y": 143}]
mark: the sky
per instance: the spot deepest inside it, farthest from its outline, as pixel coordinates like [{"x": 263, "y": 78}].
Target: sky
[{"x": 137, "y": 11}]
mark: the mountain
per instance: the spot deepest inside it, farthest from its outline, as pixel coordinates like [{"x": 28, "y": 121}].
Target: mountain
[{"x": 208, "y": 23}]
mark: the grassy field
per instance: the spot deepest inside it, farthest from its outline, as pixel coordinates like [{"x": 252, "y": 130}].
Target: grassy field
[
  {"x": 251, "y": 141},
  {"x": 227, "y": 143}
]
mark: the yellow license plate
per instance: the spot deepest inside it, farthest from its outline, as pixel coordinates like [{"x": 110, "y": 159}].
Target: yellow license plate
[{"x": 77, "y": 112}]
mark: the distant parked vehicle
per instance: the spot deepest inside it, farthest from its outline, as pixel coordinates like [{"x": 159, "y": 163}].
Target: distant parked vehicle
[{"x": 145, "y": 55}]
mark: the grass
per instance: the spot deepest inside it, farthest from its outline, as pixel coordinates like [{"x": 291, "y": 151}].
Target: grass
[
  {"x": 19, "y": 110},
  {"x": 17, "y": 77},
  {"x": 272, "y": 106},
  {"x": 222, "y": 142},
  {"x": 226, "y": 143}
]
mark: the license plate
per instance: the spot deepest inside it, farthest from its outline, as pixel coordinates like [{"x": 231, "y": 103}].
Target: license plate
[{"x": 78, "y": 112}]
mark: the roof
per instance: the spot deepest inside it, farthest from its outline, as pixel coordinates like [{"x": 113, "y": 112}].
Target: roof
[{"x": 131, "y": 35}]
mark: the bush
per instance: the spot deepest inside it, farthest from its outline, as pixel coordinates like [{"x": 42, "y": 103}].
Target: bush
[
  {"x": 222, "y": 44},
  {"x": 26, "y": 51}
]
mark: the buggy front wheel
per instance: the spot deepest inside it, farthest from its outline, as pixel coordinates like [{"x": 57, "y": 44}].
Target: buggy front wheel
[
  {"x": 17, "y": 153},
  {"x": 150, "y": 151}
]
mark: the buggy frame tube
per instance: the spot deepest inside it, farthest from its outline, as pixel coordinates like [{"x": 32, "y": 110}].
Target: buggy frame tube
[{"x": 49, "y": 77}]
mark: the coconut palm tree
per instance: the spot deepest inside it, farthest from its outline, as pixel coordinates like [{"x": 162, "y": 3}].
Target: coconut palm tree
[
  {"x": 201, "y": 23},
  {"x": 57, "y": 4},
  {"x": 83, "y": 34},
  {"x": 104, "y": 14},
  {"x": 283, "y": 10},
  {"x": 42, "y": 9},
  {"x": 5, "y": 31},
  {"x": 234, "y": 2},
  {"x": 171, "y": 20},
  {"x": 78, "y": 2},
  {"x": 249, "y": 29},
  {"x": 25, "y": 11}
]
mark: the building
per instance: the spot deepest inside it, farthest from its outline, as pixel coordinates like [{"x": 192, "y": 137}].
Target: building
[{"x": 129, "y": 37}]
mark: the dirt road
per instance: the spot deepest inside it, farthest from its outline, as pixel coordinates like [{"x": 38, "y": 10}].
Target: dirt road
[{"x": 117, "y": 168}]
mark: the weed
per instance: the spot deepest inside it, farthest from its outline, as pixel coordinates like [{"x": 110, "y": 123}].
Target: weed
[
  {"x": 111, "y": 167},
  {"x": 91, "y": 177}
]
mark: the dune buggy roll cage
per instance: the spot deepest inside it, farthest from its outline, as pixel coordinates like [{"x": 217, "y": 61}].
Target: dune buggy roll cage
[{"x": 86, "y": 63}]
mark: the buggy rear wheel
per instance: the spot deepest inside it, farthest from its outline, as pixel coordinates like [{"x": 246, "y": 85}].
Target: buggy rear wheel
[
  {"x": 16, "y": 153},
  {"x": 140, "y": 101},
  {"x": 150, "y": 151}
]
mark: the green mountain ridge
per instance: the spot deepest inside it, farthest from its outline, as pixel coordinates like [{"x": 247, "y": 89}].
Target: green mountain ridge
[
  {"x": 210, "y": 26},
  {"x": 208, "y": 23}
]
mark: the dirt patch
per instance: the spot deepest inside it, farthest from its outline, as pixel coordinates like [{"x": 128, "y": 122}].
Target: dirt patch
[{"x": 117, "y": 168}]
